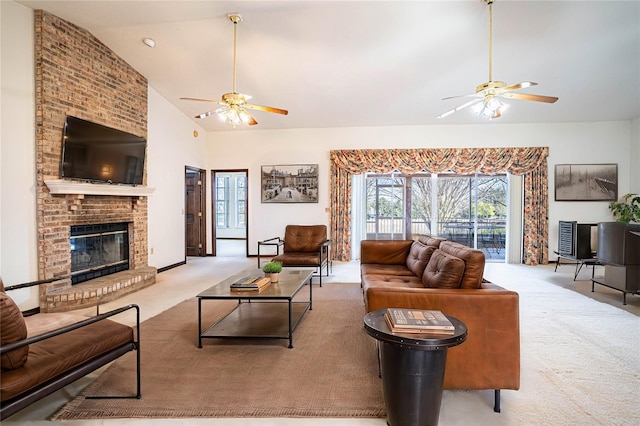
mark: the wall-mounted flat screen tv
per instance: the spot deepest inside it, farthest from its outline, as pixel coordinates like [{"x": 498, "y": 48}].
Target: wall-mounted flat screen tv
[{"x": 97, "y": 153}]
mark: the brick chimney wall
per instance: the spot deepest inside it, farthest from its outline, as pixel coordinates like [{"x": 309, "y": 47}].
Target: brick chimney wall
[{"x": 78, "y": 75}]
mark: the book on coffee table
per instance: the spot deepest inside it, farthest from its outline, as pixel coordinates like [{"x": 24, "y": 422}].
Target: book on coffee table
[
  {"x": 401, "y": 320},
  {"x": 251, "y": 283}
]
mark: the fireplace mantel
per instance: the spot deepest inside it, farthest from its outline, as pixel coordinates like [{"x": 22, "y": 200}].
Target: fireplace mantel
[{"x": 61, "y": 186}]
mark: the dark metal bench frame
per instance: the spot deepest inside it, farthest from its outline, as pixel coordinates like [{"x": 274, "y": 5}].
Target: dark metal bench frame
[{"x": 18, "y": 402}]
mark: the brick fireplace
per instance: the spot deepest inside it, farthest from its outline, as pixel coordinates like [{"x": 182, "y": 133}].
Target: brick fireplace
[{"x": 78, "y": 75}]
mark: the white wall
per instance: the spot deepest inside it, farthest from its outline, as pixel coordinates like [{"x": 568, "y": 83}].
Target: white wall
[
  {"x": 18, "y": 251},
  {"x": 171, "y": 145},
  {"x": 606, "y": 142}
]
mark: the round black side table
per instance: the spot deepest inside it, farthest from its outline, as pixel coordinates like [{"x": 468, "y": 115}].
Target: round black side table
[{"x": 412, "y": 369}]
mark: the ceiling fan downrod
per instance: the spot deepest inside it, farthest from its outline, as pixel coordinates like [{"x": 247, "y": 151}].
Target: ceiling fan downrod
[
  {"x": 490, "y": 84},
  {"x": 235, "y": 18},
  {"x": 490, "y": 3}
]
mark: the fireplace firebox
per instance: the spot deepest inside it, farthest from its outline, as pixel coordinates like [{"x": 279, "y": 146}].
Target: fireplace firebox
[{"x": 98, "y": 250}]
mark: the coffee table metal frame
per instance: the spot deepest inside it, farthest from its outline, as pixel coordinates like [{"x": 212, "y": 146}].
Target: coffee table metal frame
[{"x": 272, "y": 313}]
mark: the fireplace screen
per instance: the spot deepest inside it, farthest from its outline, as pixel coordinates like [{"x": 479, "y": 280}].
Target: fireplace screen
[{"x": 98, "y": 250}]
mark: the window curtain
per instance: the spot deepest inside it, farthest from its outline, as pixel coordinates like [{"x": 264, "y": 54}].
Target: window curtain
[{"x": 528, "y": 162}]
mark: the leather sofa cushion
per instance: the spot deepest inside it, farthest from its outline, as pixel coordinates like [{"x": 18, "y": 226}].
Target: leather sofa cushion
[
  {"x": 418, "y": 257},
  {"x": 298, "y": 259},
  {"x": 381, "y": 269},
  {"x": 12, "y": 329},
  {"x": 51, "y": 357},
  {"x": 443, "y": 271},
  {"x": 304, "y": 238},
  {"x": 393, "y": 281},
  {"x": 474, "y": 261},
  {"x": 430, "y": 240}
]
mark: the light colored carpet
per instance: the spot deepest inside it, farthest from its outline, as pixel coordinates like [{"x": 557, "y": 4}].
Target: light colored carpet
[{"x": 580, "y": 357}]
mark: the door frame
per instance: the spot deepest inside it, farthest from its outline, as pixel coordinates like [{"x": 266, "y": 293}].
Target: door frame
[
  {"x": 202, "y": 189},
  {"x": 213, "y": 206}
]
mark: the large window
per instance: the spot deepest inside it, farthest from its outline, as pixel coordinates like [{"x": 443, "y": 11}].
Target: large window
[{"x": 468, "y": 209}]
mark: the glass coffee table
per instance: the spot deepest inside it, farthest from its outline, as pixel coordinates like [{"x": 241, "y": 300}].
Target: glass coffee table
[{"x": 271, "y": 313}]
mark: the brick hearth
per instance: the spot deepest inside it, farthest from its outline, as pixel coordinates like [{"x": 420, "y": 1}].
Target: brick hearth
[{"x": 100, "y": 290}]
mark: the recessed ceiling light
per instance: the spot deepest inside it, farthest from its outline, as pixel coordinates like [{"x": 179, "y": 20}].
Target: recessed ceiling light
[{"x": 149, "y": 41}]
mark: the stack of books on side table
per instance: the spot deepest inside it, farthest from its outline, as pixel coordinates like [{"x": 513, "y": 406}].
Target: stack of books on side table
[
  {"x": 251, "y": 284},
  {"x": 418, "y": 321}
]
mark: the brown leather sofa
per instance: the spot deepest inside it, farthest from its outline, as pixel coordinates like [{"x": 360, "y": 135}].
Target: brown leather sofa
[
  {"x": 34, "y": 366},
  {"x": 433, "y": 273}
]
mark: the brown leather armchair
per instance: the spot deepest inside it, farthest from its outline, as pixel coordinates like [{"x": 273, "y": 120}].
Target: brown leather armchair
[{"x": 305, "y": 246}]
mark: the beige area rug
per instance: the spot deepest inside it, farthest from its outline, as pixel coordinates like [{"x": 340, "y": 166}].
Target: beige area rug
[{"x": 330, "y": 372}]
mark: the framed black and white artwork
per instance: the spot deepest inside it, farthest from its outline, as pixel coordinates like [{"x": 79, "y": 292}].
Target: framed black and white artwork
[
  {"x": 586, "y": 182},
  {"x": 292, "y": 183}
]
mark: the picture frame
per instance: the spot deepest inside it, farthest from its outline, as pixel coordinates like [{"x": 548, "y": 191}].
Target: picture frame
[
  {"x": 289, "y": 183},
  {"x": 586, "y": 182}
]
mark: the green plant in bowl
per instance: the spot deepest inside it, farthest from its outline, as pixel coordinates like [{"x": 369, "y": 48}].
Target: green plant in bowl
[
  {"x": 272, "y": 267},
  {"x": 272, "y": 270}
]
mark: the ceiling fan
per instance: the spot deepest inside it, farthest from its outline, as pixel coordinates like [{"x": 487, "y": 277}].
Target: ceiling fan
[
  {"x": 486, "y": 102},
  {"x": 234, "y": 105}
]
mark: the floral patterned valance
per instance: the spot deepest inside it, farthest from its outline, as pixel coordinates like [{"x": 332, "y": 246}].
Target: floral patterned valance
[{"x": 517, "y": 161}]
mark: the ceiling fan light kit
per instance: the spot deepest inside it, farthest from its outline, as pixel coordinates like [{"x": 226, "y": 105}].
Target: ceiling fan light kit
[
  {"x": 487, "y": 103},
  {"x": 233, "y": 109}
]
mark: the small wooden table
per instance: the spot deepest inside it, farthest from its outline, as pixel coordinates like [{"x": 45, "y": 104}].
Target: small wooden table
[
  {"x": 270, "y": 313},
  {"x": 412, "y": 367}
]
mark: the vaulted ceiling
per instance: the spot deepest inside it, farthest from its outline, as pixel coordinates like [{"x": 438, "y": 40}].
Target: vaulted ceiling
[{"x": 377, "y": 63}]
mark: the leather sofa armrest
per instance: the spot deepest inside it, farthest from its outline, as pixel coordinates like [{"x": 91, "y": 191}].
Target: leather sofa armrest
[
  {"x": 491, "y": 315},
  {"x": 385, "y": 252}
]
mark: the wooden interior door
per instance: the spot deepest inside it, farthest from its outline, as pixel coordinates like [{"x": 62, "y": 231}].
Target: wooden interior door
[{"x": 195, "y": 227}]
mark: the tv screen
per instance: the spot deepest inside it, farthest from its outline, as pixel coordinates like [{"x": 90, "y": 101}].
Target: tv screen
[{"x": 93, "y": 152}]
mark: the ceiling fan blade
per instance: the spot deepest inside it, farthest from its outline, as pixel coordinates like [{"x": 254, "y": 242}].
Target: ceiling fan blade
[
  {"x": 199, "y": 100},
  {"x": 206, "y": 114},
  {"x": 475, "y": 95},
  {"x": 267, "y": 108},
  {"x": 456, "y": 109},
  {"x": 520, "y": 85},
  {"x": 529, "y": 97},
  {"x": 252, "y": 121}
]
